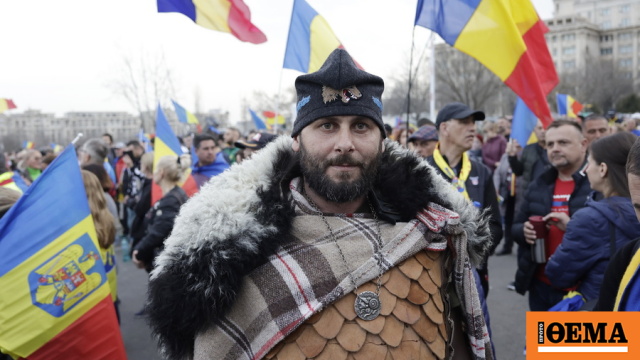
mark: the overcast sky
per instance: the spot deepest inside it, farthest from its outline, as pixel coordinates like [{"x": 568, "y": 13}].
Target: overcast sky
[{"x": 57, "y": 56}]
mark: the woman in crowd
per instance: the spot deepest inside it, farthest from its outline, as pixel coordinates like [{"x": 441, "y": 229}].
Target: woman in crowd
[
  {"x": 107, "y": 187},
  {"x": 159, "y": 219},
  {"x": 620, "y": 289},
  {"x": 494, "y": 145},
  {"x": 595, "y": 232},
  {"x": 105, "y": 229}
]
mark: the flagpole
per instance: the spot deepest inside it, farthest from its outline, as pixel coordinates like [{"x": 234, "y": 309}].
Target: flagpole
[
  {"x": 75, "y": 140},
  {"x": 413, "y": 35},
  {"x": 432, "y": 85},
  {"x": 275, "y": 120}
]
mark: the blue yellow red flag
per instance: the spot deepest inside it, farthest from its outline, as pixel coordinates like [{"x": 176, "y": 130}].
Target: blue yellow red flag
[
  {"x": 184, "y": 116},
  {"x": 231, "y": 16},
  {"x": 166, "y": 144},
  {"x": 6, "y": 104},
  {"x": 310, "y": 41},
  {"x": 568, "y": 106},
  {"x": 523, "y": 123},
  {"x": 257, "y": 121},
  {"x": 28, "y": 144},
  {"x": 55, "y": 295},
  {"x": 506, "y": 36}
]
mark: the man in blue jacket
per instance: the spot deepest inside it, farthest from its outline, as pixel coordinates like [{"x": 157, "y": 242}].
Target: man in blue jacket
[
  {"x": 561, "y": 189},
  {"x": 210, "y": 161}
]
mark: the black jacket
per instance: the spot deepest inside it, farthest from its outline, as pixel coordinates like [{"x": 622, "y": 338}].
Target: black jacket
[
  {"x": 479, "y": 186},
  {"x": 140, "y": 208},
  {"x": 531, "y": 163},
  {"x": 159, "y": 223},
  {"x": 538, "y": 200}
]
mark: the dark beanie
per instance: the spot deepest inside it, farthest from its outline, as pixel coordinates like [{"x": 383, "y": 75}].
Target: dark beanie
[{"x": 338, "y": 88}]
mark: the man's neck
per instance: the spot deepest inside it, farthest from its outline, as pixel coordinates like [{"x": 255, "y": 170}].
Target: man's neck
[
  {"x": 566, "y": 173},
  {"x": 327, "y": 206},
  {"x": 452, "y": 153}
]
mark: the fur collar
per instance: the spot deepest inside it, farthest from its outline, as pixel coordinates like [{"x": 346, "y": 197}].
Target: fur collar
[{"x": 237, "y": 220}]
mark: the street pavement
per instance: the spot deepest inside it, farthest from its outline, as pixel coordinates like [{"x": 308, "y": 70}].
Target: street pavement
[{"x": 507, "y": 310}]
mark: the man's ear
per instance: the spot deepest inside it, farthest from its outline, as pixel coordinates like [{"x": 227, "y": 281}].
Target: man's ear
[{"x": 295, "y": 145}]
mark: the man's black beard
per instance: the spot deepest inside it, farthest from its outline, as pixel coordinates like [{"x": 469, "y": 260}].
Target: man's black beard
[{"x": 314, "y": 174}]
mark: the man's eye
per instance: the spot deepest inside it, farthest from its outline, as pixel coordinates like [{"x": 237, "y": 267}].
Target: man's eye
[
  {"x": 327, "y": 126},
  {"x": 362, "y": 126}
]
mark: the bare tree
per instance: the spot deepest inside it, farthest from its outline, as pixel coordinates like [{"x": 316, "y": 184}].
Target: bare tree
[
  {"x": 144, "y": 80},
  {"x": 600, "y": 83},
  {"x": 395, "y": 97},
  {"x": 461, "y": 78}
]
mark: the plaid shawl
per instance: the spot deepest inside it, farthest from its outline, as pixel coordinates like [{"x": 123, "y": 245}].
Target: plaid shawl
[{"x": 307, "y": 273}]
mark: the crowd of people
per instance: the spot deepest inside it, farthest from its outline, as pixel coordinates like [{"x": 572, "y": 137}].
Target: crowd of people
[{"x": 314, "y": 227}]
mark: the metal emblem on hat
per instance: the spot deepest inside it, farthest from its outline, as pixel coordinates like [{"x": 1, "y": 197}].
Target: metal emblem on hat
[{"x": 346, "y": 94}]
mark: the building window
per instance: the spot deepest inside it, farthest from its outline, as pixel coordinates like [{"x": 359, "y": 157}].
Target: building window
[
  {"x": 625, "y": 36},
  {"x": 568, "y": 37},
  {"x": 606, "y": 51},
  {"x": 604, "y": 12},
  {"x": 606, "y": 24},
  {"x": 568, "y": 50},
  {"x": 625, "y": 22},
  {"x": 628, "y": 75},
  {"x": 624, "y": 8},
  {"x": 626, "y": 63},
  {"x": 569, "y": 64},
  {"x": 606, "y": 38},
  {"x": 554, "y": 51},
  {"x": 625, "y": 49}
]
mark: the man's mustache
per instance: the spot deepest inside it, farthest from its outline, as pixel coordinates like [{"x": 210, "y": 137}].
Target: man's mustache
[{"x": 344, "y": 160}]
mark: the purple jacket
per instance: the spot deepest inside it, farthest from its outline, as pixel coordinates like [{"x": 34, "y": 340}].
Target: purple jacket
[{"x": 492, "y": 151}]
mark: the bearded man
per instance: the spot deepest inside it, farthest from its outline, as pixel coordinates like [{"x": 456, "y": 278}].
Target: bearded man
[{"x": 334, "y": 243}]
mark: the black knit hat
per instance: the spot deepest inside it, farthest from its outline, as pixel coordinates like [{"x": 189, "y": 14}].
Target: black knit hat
[
  {"x": 458, "y": 111},
  {"x": 338, "y": 88}
]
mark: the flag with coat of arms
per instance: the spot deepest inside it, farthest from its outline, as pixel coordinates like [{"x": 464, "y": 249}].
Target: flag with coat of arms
[{"x": 56, "y": 297}]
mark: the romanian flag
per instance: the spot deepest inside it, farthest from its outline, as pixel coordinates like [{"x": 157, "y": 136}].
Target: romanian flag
[
  {"x": 568, "y": 106},
  {"x": 6, "y": 104},
  {"x": 523, "y": 123},
  {"x": 257, "y": 121},
  {"x": 231, "y": 16},
  {"x": 28, "y": 145},
  {"x": 184, "y": 116},
  {"x": 506, "y": 36},
  {"x": 55, "y": 293},
  {"x": 311, "y": 39},
  {"x": 273, "y": 119},
  {"x": 165, "y": 144}
]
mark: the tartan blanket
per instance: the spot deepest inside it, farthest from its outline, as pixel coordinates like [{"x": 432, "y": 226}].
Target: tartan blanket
[{"x": 307, "y": 273}]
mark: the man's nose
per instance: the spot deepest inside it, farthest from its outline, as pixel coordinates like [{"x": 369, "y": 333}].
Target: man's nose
[{"x": 344, "y": 141}]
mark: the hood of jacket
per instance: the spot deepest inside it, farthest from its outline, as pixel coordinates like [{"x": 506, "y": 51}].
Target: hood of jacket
[
  {"x": 238, "y": 218},
  {"x": 619, "y": 211}
]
